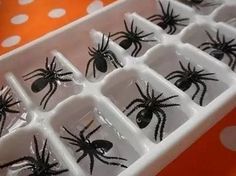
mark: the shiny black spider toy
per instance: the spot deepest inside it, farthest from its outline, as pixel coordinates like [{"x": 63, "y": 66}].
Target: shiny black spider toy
[
  {"x": 150, "y": 105},
  {"x": 38, "y": 165},
  {"x": 218, "y": 48},
  {"x": 168, "y": 19},
  {"x": 6, "y": 102},
  {"x": 198, "y": 4},
  {"x": 187, "y": 77},
  {"x": 100, "y": 56},
  {"x": 93, "y": 149},
  {"x": 132, "y": 37},
  {"x": 49, "y": 75}
]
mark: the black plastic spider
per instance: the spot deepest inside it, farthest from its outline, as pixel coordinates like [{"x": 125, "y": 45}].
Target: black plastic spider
[
  {"x": 6, "y": 102},
  {"x": 198, "y": 4},
  {"x": 219, "y": 47},
  {"x": 132, "y": 36},
  {"x": 100, "y": 56},
  {"x": 188, "y": 77},
  {"x": 94, "y": 149},
  {"x": 38, "y": 165},
  {"x": 168, "y": 19},
  {"x": 150, "y": 105},
  {"x": 49, "y": 75}
]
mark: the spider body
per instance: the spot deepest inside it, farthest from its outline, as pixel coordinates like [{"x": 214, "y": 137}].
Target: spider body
[
  {"x": 132, "y": 37},
  {"x": 93, "y": 149},
  {"x": 198, "y": 4},
  {"x": 150, "y": 105},
  {"x": 6, "y": 102},
  {"x": 168, "y": 19},
  {"x": 48, "y": 76},
  {"x": 220, "y": 47},
  {"x": 100, "y": 56},
  {"x": 187, "y": 77},
  {"x": 38, "y": 165}
]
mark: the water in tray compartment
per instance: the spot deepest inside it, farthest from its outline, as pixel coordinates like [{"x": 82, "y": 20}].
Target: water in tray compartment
[
  {"x": 28, "y": 149},
  {"x": 105, "y": 141},
  {"x": 123, "y": 95}
]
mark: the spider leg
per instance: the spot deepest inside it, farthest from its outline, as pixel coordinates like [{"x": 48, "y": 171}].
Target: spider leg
[
  {"x": 111, "y": 157},
  {"x": 94, "y": 70},
  {"x": 53, "y": 64},
  {"x": 230, "y": 58},
  {"x": 135, "y": 108},
  {"x": 91, "y": 52},
  {"x": 33, "y": 76},
  {"x": 171, "y": 30},
  {"x": 26, "y": 158},
  {"x": 44, "y": 150},
  {"x": 218, "y": 36},
  {"x": 140, "y": 91},
  {"x": 206, "y": 48},
  {"x": 84, "y": 129},
  {"x": 92, "y": 132},
  {"x": 2, "y": 120},
  {"x": 57, "y": 172},
  {"x": 113, "y": 58},
  {"x": 173, "y": 74},
  {"x": 158, "y": 124},
  {"x": 109, "y": 163},
  {"x": 36, "y": 149},
  {"x": 91, "y": 162},
  {"x": 50, "y": 95},
  {"x": 37, "y": 70},
  {"x": 87, "y": 67},
  {"x": 174, "y": 27},
  {"x": 137, "y": 49},
  {"x": 155, "y": 16},
  {"x": 182, "y": 67},
  {"x": 210, "y": 37},
  {"x": 197, "y": 91},
  {"x": 147, "y": 91},
  {"x": 70, "y": 133},
  {"x": 138, "y": 100},
  {"x": 162, "y": 123},
  {"x": 146, "y": 35},
  {"x": 45, "y": 96},
  {"x": 6, "y": 94},
  {"x": 12, "y": 111},
  {"x": 64, "y": 74},
  {"x": 81, "y": 157},
  {"x": 122, "y": 36},
  {"x": 162, "y": 8},
  {"x": 46, "y": 64},
  {"x": 168, "y": 98},
  {"x": 203, "y": 92}
]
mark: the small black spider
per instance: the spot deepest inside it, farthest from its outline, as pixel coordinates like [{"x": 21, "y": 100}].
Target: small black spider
[
  {"x": 6, "y": 102},
  {"x": 198, "y": 4},
  {"x": 100, "y": 56},
  {"x": 188, "y": 77},
  {"x": 47, "y": 76},
  {"x": 219, "y": 47},
  {"x": 132, "y": 36},
  {"x": 94, "y": 149},
  {"x": 38, "y": 165},
  {"x": 168, "y": 19},
  {"x": 150, "y": 105}
]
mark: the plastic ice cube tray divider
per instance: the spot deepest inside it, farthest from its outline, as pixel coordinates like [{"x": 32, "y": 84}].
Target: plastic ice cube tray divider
[{"x": 70, "y": 53}]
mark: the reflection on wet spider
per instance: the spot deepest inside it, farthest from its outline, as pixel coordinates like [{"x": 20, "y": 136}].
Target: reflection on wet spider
[
  {"x": 148, "y": 105},
  {"x": 132, "y": 36},
  {"x": 48, "y": 76},
  {"x": 100, "y": 56},
  {"x": 186, "y": 77},
  {"x": 6, "y": 104},
  {"x": 218, "y": 47},
  {"x": 168, "y": 19},
  {"x": 38, "y": 165},
  {"x": 93, "y": 149}
]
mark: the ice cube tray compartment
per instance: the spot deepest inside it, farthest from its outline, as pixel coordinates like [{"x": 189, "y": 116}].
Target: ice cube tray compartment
[{"x": 102, "y": 100}]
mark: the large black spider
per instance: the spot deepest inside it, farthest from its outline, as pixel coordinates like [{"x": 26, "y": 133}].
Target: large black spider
[
  {"x": 198, "y": 4},
  {"x": 168, "y": 19},
  {"x": 94, "y": 149},
  {"x": 187, "y": 77},
  {"x": 6, "y": 102},
  {"x": 100, "y": 56},
  {"x": 219, "y": 47},
  {"x": 38, "y": 165},
  {"x": 150, "y": 105},
  {"x": 132, "y": 37},
  {"x": 49, "y": 75}
]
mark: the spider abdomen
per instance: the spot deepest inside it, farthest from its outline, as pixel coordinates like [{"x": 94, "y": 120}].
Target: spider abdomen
[
  {"x": 197, "y": 1},
  {"x": 144, "y": 117},
  {"x": 101, "y": 63},
  {"x": 218, "y": 54},
  {"x": 39, "y": 84},
  {"x": 183, "y": 84},
  {"x": 103, "y": 145},
  {"x": 126, "y": 43}
]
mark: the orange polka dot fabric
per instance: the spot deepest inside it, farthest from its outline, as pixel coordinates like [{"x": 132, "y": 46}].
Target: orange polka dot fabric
[{"x": 22, "y": 21}]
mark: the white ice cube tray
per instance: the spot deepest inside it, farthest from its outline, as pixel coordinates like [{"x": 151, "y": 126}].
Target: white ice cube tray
[{"x": 103, "y": 98}]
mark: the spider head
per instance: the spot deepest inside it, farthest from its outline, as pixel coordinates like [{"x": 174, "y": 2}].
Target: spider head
[
  {"x": 144, "y": 117},
  {"x": 41, "y": 168},
  {"x": 218, "y": 54}
]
